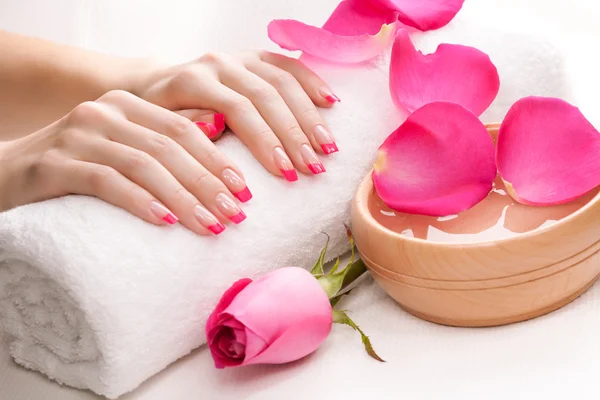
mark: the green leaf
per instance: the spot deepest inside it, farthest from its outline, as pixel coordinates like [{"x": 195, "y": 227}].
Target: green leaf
[
  {"x": 337, "y": 298},
  {"x": 340, "y": 317},
  {"x": 317, "y": 270}
]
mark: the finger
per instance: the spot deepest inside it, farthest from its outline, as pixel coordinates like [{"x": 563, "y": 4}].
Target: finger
[
  {"x": 106, "y": 183},
  {"x": 300, "y": 104},
  {"x": 246, "y": 122},
  {"x": 148, "y": 173},
  {"x": 185, "y": 133},
  {"x": 211, "y": 123},
  {"x": 316, "y": 88},
  {"x": 277, "y": 114}
]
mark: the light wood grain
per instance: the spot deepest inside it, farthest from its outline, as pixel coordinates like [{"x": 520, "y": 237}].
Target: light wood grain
[{"x": 481, "y": 283}]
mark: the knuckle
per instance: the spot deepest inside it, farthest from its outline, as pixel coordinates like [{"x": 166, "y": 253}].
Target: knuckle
[
  {"x": 116, "y": 96},
  {"x": 65, "y": 138},
  {"x": 138, "y": 160},
  {"x": 296, "y": 133},
  {"x": 182, "y": 193},
  {"x": 284, "y": 79},
  {"x": 100, "y": 177},
  {"x": 214, "y": 58},
  {"x": 264, "y": 93},
  {"x": 213, "y": 156},
  {"x": 86, "y": 112},
  {"x": 180, "y": 127},
  {"x": 161, "y": 144},
  {"x": 202, "y": 178},
  {"x": 238, "y": 105},
  {"x": 311, "y": 114}
]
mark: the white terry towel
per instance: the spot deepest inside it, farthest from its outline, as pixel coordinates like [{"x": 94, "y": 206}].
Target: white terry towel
[{"x": 95, "y": 298}]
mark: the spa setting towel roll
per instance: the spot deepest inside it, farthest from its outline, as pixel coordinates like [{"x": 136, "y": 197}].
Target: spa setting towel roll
[{"x": 97, "y": 299}]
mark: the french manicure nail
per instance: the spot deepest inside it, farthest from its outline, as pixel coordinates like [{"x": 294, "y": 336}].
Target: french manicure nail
[
  {"x": 228, "y": 207},
  {"x": 220, "y": 122},
  {"x": 329, "y": 96},
  {"x": 312, "y": 161},
  {"x": 325, "y": 139},
  {"x": 163, "y": 213},
  {"x": 282, "y": 161},
  {"x": 208, "y": 220},
  {"x": 209, "y": 129},
  {"x": 236, "y": 184}
]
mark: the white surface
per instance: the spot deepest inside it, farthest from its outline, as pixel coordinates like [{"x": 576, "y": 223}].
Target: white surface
[{"x": 552, "y": 357}]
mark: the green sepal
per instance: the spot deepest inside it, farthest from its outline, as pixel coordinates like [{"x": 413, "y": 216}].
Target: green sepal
[
  {"x": 317, "y": 270},
  {"x": 353, "y": 272},
  {"x": 335, "y": 266},
  {"x": 351, "y": 240},
  {"x": 340, "y": 317},
  {"x": 337, "y": 298}
]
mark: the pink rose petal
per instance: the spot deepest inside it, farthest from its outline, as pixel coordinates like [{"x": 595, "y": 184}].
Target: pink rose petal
[
  {"x": 425, "y": 15},
  {"x": 286, "y": 308},
  {"x": 440, "y": 161},
  {"x": 352, "y": 18},
  {"x": 214, "y": 320},
  {"x": 454, "y": 73},
  {"x": 548, "y": 152},
  {"x": 294, "y": 35}
]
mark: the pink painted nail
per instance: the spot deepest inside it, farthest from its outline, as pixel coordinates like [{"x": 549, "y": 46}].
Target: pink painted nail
[
  {"x": 282, "y": 161},
  {"x": 228, "y": 207},
  {"x": 236, "y": 184},
  {"x": 220, "y": 122},
  {"x": 208, "y": 220},
  {"x": 325, "y": 139},
  {"x": 329, "y": 96},
  {"x": 311, "y": 159},
  {"x": 163, "y": 213},
  {"x": 209, "y": 129}
]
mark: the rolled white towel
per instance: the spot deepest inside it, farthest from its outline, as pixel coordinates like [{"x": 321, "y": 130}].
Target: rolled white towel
[{"x": 98, "y": 299}]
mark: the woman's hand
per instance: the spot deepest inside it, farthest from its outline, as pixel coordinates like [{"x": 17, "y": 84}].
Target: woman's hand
[
  {"x": 136, "y": 155},
  {"x": 268, "y": 101}
]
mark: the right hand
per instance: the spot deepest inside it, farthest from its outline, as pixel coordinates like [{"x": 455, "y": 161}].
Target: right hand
[{"x": 138, "y": 156}]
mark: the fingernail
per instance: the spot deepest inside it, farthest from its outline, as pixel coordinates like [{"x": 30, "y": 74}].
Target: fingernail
[
  {"x": 209, "y": 129},
  {"x": 312, "y": 161},
  {"x": 325, "y": 139},
  {"x": 237, "y": 185},
  {"x": 329, "y": 96},
  {"x": 228, "y": 207},
  {"x": 220, "y": 122},
  {"x": 208, "y": 220},
  {"x": 282, "y": 161},
  {"x": 163, "y": 213}
]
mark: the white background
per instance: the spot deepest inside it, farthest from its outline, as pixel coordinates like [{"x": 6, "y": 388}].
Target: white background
[{"x": 557, "y": 356}]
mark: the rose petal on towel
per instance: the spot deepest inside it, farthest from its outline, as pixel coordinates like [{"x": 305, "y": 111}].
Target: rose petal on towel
[
  {"x": 351, "y": 18},
  {"x": 454, "y": 73},
  {"x": 294, "y": 35},
  {"x": 439, "y": 162},
  {"x": 424, "y": 15},
  {"x": 548, "y": 152}
]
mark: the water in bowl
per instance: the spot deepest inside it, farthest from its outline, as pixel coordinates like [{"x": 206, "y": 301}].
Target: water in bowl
[{"x": 498, "y": 216}]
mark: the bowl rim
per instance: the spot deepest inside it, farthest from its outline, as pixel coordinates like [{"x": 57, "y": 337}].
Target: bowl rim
[{"x": 366, "y": 189}]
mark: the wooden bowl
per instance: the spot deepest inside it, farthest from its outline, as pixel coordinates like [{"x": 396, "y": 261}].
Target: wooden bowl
[{"x": 483, "y": 280}]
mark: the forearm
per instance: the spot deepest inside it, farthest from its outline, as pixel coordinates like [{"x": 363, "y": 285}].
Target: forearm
[{"x": 41, "y": 81}]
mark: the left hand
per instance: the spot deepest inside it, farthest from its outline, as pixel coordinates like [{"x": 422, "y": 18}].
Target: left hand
[{"x": 269, "y": 101}]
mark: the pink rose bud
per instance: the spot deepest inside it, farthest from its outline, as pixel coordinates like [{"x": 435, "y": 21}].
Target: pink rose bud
[{"x": 281, "y": 317}]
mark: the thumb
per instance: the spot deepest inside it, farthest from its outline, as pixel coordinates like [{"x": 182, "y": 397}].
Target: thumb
[{"x": 211, "y": 123}]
